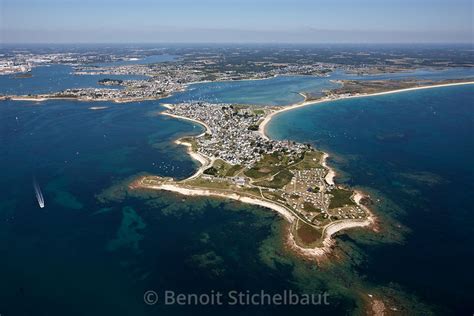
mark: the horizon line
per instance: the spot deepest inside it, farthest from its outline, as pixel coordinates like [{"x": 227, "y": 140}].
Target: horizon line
[{"x": 240, "y": 43}]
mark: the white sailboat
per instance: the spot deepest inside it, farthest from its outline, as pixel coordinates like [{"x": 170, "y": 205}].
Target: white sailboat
[{"x": 39, "y": 195}]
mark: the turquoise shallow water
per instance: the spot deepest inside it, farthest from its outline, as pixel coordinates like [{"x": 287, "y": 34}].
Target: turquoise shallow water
[
  {"x": 280, "y": 90},
  {"x": 414, "y": 149},
  {"x": 283, "y": 90},
  {"x": 87, "y": 253}
]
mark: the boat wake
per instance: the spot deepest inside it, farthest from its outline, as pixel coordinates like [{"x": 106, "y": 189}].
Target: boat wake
[{"x": 39, "y": 195}]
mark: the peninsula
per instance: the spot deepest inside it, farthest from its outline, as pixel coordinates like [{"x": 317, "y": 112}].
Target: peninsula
[{"x": 239, "y": 162}]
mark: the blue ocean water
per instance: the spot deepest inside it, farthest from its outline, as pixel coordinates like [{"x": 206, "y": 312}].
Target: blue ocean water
[
  {"x": 284, "y": 90},
  {"x": 281, "y": 90},
  {"x": 415, "y": 149},
  {"x": 53, "y": 78}
]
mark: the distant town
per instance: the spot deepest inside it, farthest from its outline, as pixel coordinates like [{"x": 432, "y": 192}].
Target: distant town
[{"x": 191, "y": 65}]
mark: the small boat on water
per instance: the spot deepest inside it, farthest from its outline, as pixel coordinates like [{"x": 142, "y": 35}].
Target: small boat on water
[{"x": 39, "y": 195}]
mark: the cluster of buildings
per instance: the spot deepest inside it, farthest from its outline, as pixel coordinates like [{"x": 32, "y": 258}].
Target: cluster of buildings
[
  {"x": 163, "y": 81},
  {"x": 232, "y": 135},
  {"x": 317, "y": 69},
  {"x": 23, "y": 61},
  {"x": 308, "y": 188},
  {"x": 203, "y": 70},
  {"x": 9, "y": 67},
  {"x": 128, "y": 90},
  {"x": 171, "y": 72},
  {"x": 26, "y": 57},
  {"x": 348, "y": 212},
  {"x": 162, "y": 78},
  {"x": 310, "y": 196}
]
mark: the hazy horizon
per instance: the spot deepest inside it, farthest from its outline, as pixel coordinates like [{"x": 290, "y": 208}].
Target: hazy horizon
[{"x": 243, "y": 21}]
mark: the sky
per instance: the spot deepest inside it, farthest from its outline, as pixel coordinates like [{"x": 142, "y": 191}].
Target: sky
[{"x": 236, "y": 21}]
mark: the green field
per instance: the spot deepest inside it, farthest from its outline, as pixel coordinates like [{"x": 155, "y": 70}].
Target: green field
[
  {"x": 308, "y": 234},
  {"x": 309, "y": 207},
  {"x": 233, "y": 170},
  {"x": 252, "y": 191},
  {"x": 281, "y": 179},
  {"x": 268, "y": 165},
  {"x": 272, "y": 196},
  {"x": 205, "y": 183},
  {"x": 220, "y": 168},
  {"x": 340, "y": 198},
  {"x": 312, "y": 159}
]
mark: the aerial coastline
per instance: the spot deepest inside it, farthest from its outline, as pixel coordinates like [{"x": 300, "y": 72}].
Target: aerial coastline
[
  {"x": 180, "y": 173},
  {"x": 313, "y": 224},
  {"x": 306, "y": 102},
  {"x": 291, "y": 216},
  {"x": 156, "y": 88}
]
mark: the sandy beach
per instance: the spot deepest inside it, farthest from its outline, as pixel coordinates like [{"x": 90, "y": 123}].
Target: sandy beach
[
  {"x": 329, "y": 178},
  {"x": 82, "y": 99},
  {"x": 203, "y": 160},
  {"x": 333, "y": 228},
  {"x": 264, "y": 123},
  {"x": 287, "y": 215},
  {"x": 27, "y": 99},
  {"x": 310, "y": 253},
  {"x": 329, "y": 231},
  {"x": 169, "y": 106}
]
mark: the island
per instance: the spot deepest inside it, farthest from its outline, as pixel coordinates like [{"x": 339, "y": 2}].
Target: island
[{"x": 110, "y": 82}]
